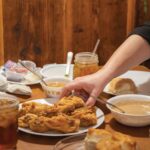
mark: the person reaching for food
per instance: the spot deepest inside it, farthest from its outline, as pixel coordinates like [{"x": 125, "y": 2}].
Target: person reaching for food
[{"x": 133, "y": 51}]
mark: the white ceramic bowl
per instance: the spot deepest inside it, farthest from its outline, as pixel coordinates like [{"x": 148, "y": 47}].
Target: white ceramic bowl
[
  {"x": 129, "y": 119},
  {"x": 54, "y": 91},
  {"x": 53, "y": 70}
]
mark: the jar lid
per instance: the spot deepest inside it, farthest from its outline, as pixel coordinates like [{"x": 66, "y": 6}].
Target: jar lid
[{"x": 86, "y": 58}]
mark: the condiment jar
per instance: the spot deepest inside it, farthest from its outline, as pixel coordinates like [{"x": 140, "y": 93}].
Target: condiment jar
[{"x": 85, "y": 63}]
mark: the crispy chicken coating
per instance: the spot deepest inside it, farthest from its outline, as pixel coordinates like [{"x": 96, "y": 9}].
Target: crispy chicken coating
[
  {"x": 23, "y": 121},
  {"x": 38, "y": 124},
  {"x": 87, "y": 116},
  {"x": 62, "y": 123},
  {"x": 38, "y": 109},
  {"x": 69, "y": 104}
]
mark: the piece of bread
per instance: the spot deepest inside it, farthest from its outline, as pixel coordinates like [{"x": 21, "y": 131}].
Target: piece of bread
[
  {"x": 120, "y": 86},
  {"x": 95, "y": 135},
  {"x": 100, "y": 139}
]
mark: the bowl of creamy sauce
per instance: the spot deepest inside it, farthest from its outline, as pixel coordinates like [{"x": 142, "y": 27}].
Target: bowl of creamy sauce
[{"x": 136, "y": 108}]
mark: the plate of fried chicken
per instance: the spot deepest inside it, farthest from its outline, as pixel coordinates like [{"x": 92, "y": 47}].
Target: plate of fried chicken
[{"x": 64, "y": 117}]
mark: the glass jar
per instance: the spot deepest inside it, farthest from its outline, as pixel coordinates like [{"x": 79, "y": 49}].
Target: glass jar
[
  {"x": 8, "y": 121},
  {"x": 85, "y": 63}
]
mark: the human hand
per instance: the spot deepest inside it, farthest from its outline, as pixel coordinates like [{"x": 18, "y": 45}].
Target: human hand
[{"x": 92, "y": 84}]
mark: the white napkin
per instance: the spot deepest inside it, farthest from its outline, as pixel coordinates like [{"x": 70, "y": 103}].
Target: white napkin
[
  {"x": 19, "y": 89},
  {"x": 3, "y": 83}
]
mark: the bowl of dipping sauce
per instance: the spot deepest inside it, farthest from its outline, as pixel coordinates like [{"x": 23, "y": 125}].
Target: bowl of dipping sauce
[
  {"x": 54, "y": 85},
  {"x": 136, "y": 107}
]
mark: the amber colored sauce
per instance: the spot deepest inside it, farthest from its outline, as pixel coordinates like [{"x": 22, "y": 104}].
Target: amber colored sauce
[
  {"x": 84, "y": 69},
  {"x": 56, "y": 84}
]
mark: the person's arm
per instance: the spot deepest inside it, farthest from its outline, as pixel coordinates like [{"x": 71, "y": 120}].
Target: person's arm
[{"x": 132, "y": 52}]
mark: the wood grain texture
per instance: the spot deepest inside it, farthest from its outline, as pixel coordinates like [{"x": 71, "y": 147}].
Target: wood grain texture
[
  {"x": 131, "y": 15},
  {"x": 44, "y": 30},
  {"x": 1, "y": 35}
]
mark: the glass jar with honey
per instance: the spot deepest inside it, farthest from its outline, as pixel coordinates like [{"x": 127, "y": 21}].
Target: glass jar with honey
[{"x": 85, "y": 63}]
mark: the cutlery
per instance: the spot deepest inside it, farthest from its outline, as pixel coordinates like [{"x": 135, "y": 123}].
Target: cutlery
[
  {"x": 105, "y": 102},
  {"x": 69, "y": 60},
  {"x": 32, "y": 72}
]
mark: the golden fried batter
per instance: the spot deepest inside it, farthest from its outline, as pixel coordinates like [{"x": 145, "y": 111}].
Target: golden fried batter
[
  {"x": 87, "y": 116},
  {"x": 38, "y": 109},
  {"x": 69, "y": 104},
  {"x": 24, "y": 120},
  {"x": 76, "y": 101},
  {"x": 62, "y": 123},
  {"x": 38, "y": 124}
]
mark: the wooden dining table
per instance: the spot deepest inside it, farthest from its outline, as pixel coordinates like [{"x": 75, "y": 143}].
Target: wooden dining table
[{"x": 33, "y": 142}]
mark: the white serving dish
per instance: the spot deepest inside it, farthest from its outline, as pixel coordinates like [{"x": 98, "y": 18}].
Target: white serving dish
[
  {"x": 129, "y": 119},
  {"x": 54, "y": 91},
  {"x": 55, "y": 70}
]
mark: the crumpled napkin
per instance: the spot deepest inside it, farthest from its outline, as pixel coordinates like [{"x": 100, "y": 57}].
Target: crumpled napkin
[
  {"x": 3, "y": 83},
  {"x": 19, "y": 89}
]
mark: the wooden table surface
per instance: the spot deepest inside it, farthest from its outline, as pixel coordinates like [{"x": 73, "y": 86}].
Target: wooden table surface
[{"x": 32, "y": 142}]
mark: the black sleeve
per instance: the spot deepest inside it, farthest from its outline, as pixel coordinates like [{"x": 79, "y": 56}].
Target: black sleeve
[{"x": 143, "y": 31}]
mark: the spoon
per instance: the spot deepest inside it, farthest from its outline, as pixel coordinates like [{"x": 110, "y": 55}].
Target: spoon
[
  {"x": 69, "y": 60},
  {"x": 105, "y": 102}
]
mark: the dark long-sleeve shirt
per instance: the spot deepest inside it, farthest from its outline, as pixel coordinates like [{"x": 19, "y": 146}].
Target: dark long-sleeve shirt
[{"x": 143, "y": 31}]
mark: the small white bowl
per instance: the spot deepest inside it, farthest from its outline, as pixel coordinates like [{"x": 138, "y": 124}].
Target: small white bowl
[
  {"x": 54, "y": 91},
  {"x": 129, "y": 119}
]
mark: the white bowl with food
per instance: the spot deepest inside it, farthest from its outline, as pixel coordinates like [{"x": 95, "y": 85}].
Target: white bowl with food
[
  {"x": 136, "y": 107},
  {"x": 54, "y": 85}
]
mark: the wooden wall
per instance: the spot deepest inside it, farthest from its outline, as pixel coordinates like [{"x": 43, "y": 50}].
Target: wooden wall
[{"x": 44, "y": 30}]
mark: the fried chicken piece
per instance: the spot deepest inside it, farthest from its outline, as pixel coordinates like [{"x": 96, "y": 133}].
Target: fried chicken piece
[
  {"x": 50, "y": 112},
  {"x": 87, "y": 116},
  {"x": 38, "y": 124},
  {"x": 37, "y": 108},
  {"x": 69, "y": 104},
  {"x": 23, "y": 121},
  {"x": 62, "y": 123},
  {"x": 76, "y": 101}
]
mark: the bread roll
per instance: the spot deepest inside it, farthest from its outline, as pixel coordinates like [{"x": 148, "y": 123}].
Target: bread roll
[
  {"x": 100, "y": 139},
  {"x": 120, "y": 86}
]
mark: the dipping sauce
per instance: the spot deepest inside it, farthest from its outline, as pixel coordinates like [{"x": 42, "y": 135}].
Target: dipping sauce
[
  {"x": 56, "y": 84},
  {"x": 135, "y": 107}
]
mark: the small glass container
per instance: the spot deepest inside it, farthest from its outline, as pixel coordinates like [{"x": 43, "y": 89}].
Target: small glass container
[
  {"x": 85, "y": 63},
  {"x": 8, "y": 121}
]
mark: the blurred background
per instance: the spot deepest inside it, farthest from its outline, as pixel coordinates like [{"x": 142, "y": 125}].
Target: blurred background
[{"x": 45, "y": 30}]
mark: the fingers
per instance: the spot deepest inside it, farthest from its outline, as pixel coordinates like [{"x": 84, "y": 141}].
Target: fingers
[
  {"x": 69, "y": 87},
  {"x": 91, "y": 101}
]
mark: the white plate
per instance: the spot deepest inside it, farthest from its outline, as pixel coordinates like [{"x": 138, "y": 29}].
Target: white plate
[
  {"x": 141, "y": 80},
  {"x": 24, "y": 82},
  {"x": 56, "y": 70},
  {"x": 50, "y": 101}
]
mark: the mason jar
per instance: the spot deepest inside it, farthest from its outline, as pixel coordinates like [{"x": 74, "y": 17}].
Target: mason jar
[{"x": 85, "y": 63}]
